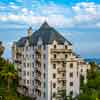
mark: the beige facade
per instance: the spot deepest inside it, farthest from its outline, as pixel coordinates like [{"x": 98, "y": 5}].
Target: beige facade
[{"x": 46, "y": 69}]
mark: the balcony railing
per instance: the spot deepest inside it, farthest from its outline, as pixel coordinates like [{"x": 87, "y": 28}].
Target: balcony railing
[
  {"x": 18, "y": 54},
  {"x": 61, "y": 79},
  {"x": 37, "y": 77},
  {"x": 61, "y": 70},
  {"x": 61, "y": 88},
  {"x": 53, "y": 50},
  {"x": 38, "y": 58},
  {"x": 58, "y": 60},
  {"x": 37, "y": 86},
  {"x": 38, "y": 50},
  {"x": 18, "y": 61}
]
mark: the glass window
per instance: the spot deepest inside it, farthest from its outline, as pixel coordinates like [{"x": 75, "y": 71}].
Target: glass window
[
  {"x": 54, "y": 75},
  {"x": 54, "y": 66},
  {"x": 27, "y": 73},
  {"x": 54, "y": 85},
  {"x": 55, "y": 56},
  {"x": 54, "y": 94},
  {"x": 54, "y": 46},
  {"x": 71, "y": 83},
  {"x": 27, "y": 81},
  {"x": 65, "y": 46},
  {"x": 71, "y": 65},
  {"x": 71, "y": 93},
  {"x": 71, "y": 74},
  {"x": 66, "y": 56}
]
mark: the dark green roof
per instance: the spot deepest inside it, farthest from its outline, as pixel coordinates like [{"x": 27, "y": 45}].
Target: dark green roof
[{"x": 47, "y": 34}]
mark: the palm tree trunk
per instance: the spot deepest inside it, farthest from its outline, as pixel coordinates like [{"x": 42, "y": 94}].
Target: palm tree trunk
[{"x": 9, "y": 81}]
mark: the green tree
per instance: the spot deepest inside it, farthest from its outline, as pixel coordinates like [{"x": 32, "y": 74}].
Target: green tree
[
  {"x": 1, "y": 49},
  {"x": 8, "y": 74}
]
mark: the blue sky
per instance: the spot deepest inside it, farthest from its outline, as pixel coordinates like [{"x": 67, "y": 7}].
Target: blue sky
[{"x": 77, "y": 20}]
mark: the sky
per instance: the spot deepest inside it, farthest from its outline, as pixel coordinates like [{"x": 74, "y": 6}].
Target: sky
[{"x": 77, "y": 20}]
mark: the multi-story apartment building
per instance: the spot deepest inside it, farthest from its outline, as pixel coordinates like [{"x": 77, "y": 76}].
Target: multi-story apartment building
[{"x": 47, "y": 64}]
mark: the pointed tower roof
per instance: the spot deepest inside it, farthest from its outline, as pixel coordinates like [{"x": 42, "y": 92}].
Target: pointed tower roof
[{"x": 47, "y": 34}]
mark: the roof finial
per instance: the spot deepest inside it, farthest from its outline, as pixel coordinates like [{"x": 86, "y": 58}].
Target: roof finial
[
  {"x": 30, "y": 31},
  {"x": 45, "y": 25}
]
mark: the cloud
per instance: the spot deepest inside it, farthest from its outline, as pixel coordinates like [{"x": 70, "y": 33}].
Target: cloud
[
  {"x": 86, "y": 8},
  {"x": 98, "y": 24},
  {"x": 79, "y": 15}
]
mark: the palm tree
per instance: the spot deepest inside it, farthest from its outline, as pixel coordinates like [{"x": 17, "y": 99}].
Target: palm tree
[
  {"x": 8, "y": 74},
  {"x": 1, "y": 49}
]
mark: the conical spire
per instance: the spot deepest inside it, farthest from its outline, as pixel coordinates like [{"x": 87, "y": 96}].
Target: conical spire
[
  {"x": 30, "y": 31},
  {"x": 45, "y": 25}
]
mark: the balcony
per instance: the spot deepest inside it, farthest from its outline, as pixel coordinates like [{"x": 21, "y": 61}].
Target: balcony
[
  {"x": 58, "y": 60},
  {"x": 37, "y": 80},
  {"x": 61, "y": 79},
  {"x": 18, "y": 54},
  {"x": 37, "y": 86},
  {"x": 37, "y": 92},
  {"x": 38, "y": 72},
  {"x": 53, "y": 50},
  {"x": 60, "y": 88},
  {"x": 18, "y": 61},
  {"x": 37, "y": 77},
  {"x": 38, "y": 50},
  {"x": 38, "y": 68},
  {"x": 38, "y": 58},
  {"x": 61, "y": 70}
]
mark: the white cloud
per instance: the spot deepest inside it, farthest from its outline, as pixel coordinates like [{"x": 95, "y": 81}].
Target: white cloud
[
  {"x": 98, "y": 25},
  {"x": 86, "y": 7},
  {"x": 83, "y": 14}
]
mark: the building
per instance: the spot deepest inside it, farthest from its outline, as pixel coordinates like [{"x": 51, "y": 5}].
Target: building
[{"x": 47, "y": 64}]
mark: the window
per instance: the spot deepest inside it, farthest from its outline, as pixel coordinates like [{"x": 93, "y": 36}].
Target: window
[
  {"x": 54, "y": 85},
  {"x": 44, "y": 94},
  {"x": 65, "y": 46},
  {"x": 33, "y": 65},
  {"x": 44, "y": 66},
  {"x": 55, "y": 56},
  {"x": 27, "y": 81},
  {"x": 71, "y": 65},
  {"x": 54, "y": 66},
  {"x": 54, "y": 46},
  {"x": 24, "y": 73},
  {"x": 44, "y": 56},
  {"x": 33, "y": 56},
  {"x": 71, "y": 74},
  {"x": 33, "y": 74},
  {"x": 28, "y": 64},
  {"x": 87, "y": 70},
  {"x": 44, "y": 84},
  {"x": 44, "y": 47},
  {"x": 54, "y": 75},
  {"x": 65, "y": 56},
  {"x": 71, "y": 83},
  {"x": 63, "y": 74},
  {"x": 81, "y": 70},
  {"x": 71, "y": 93},
  {"x": 27, "y": 73},
  {"x": 54, "y": 94},
  {"x": 33, "y": 82},
  {"x": 24, "y": 65},
  {"x": 44, "y": 75}
]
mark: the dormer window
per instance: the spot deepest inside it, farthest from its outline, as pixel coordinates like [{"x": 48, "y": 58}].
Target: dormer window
[
  {"x": 66, "y": 47},
  {"x": 55, "y": 46}
]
